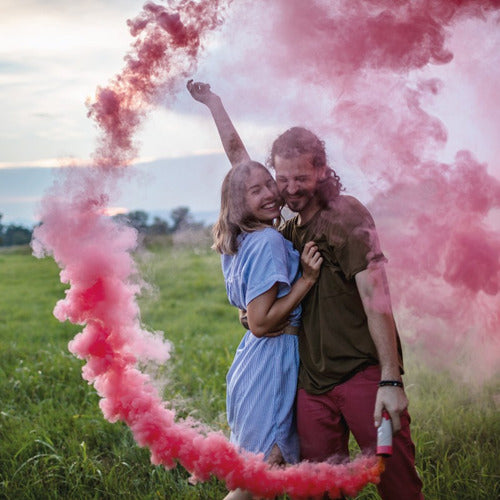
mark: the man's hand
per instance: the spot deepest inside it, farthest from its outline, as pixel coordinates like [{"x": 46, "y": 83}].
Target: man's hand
[
  {"x": 243, "y": 318},
  {"x": 394, "y": 400}
]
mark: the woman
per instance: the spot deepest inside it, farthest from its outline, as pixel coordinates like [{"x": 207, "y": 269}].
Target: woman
[{"x": 261, "y": 272}]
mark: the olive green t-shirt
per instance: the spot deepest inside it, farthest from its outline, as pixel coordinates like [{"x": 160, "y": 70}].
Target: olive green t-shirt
[{"x": 335, "y": 342}]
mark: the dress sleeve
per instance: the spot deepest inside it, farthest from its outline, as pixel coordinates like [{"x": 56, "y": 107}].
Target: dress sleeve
[{"x": 266, "y": 263}]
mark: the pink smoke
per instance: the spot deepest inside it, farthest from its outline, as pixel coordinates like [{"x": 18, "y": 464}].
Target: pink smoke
[
  {"x": 363, "y": 75},
  {"x": 163, "y": 55},
  {"x": 363, "y": 58},
  {"x": 94, "y": 254}
]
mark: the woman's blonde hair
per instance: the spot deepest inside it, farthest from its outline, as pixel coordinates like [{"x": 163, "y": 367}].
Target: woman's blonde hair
[{"x": 234, "y": 215}]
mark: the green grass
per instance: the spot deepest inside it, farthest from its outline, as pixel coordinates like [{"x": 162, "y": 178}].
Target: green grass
[{"x": 55, "y": 443}]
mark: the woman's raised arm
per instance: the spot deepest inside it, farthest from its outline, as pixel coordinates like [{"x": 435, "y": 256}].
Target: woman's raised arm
[{"x": 231, "y": 141}]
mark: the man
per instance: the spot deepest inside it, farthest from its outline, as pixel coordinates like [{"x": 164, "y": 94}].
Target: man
[
  {"x": 351, "y": 362},
  {"x": 350, "y": 354}
]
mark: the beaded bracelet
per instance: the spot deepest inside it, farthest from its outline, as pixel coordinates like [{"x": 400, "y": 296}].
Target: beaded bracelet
[{"x": 392, "y": 383}]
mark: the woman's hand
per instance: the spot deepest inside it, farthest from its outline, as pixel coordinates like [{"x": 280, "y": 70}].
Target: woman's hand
[
  {"x": 201, "y": 92},
  {"x": 311, "y": 261}
]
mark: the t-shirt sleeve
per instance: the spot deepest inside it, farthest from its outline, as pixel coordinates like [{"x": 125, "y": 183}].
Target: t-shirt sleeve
[
  {"x": 266, "y": 263},
  {"x": 361, "y": 245}
]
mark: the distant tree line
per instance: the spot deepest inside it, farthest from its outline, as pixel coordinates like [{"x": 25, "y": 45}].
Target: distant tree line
[
  {"x": 180, "y": 219},
  {"x": 13, "y": 234}
]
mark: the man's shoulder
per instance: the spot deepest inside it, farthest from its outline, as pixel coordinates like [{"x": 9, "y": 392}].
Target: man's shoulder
[
  {"x": 344, "y": 215},
  {"x": 345, "y": 203},
  {"x": 346, "y": 209},
  {"x": 288, "y": 224}
]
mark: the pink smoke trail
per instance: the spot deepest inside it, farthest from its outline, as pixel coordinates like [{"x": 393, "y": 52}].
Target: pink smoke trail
[
  {"x": 94, "y": 255},
  {"x": 163, "y": 55}
]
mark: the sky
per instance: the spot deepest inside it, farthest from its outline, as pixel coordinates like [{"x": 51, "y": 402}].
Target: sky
[{"x": 54, "y": 54}]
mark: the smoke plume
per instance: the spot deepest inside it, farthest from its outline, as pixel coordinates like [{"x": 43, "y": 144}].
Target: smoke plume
[
  {"x": 366, "y": 75},
  {"x": 361, "y": 74},
  {"x": 94, "y": 254}
]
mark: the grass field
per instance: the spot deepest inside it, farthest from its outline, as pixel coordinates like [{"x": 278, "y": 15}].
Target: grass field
[{"x": 54, "y": 442}]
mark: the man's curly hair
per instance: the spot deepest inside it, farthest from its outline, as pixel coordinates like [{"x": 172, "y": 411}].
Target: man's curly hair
[{"x": 297, "y": 141}]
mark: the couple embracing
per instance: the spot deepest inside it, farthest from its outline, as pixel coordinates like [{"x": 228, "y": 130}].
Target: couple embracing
[{"x": 321, "y": 357}]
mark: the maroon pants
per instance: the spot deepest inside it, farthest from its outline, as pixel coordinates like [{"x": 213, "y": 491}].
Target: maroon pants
[{"x": 325, "y": 420}]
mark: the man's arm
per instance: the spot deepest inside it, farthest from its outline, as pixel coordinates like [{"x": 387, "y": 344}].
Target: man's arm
[
  {"x": 231, "y": 141},
  {"x": 374, "y": 292}
]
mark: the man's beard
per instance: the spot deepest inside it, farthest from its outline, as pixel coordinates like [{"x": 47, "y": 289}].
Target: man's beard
[{"x": 304, "y": 199}]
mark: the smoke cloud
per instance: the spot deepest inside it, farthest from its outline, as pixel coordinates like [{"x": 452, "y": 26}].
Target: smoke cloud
[
  {"x": 366, "y": 65},
  {"x": 163, "y": 55},
  {"x": 94, "y": 254},
  {"x": 366, "y": 75}
]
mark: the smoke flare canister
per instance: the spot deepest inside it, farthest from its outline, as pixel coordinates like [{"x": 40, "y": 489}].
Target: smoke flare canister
[{"x": 384, "y": 436}]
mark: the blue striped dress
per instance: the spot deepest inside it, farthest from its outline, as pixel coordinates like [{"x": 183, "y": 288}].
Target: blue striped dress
[{"x": 262, "y": 380}]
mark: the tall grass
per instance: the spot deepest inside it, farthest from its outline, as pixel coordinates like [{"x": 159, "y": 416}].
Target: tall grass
[{"x": 54, "y": 442}]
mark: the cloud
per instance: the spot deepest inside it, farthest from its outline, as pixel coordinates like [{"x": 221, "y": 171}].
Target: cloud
[{"x": 52, "y": 56}]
